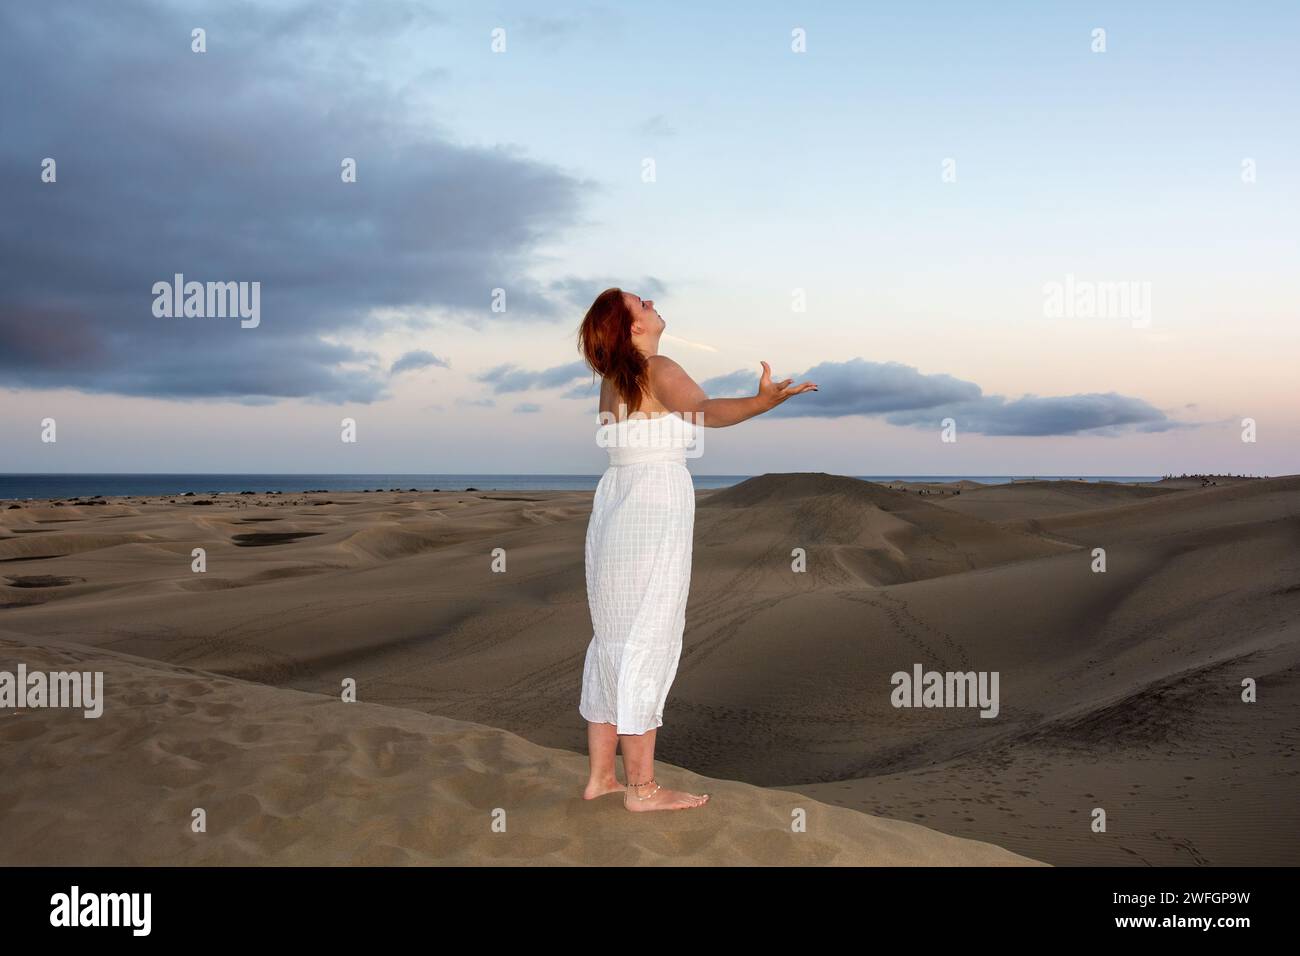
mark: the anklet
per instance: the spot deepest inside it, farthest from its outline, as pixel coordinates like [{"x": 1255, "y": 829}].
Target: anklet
[{"x": 645, "y": 784}]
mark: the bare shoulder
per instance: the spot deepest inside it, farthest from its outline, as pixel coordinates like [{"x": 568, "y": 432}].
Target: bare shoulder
[
  {"x": 672, "y": 386},
  {"x": 662, "y": 363}
]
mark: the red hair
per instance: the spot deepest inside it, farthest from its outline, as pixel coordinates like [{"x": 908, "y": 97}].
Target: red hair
[{"x": 605, "y": 341}]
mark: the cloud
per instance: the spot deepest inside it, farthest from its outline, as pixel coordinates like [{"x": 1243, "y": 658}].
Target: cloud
[
  {"x": 899, "y": 393},
  {"x": 856, "y": 387},
  {"x": 1096, "y": 413},
  {"x": 736, "y": 384},
  {"x": 225, "y": 166},
  {"x": 657, "y": 126},
  {"x": 511, "y": 378},
  {"x": 580, "y": 292},
  {"x": 905, "y": 396},
  {"x": 585, "y": 390},
  {"x": 415, "y": 360},
  {"x": 528, "y": 407}
]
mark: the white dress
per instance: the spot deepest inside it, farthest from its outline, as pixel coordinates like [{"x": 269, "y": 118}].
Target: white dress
[{"x": 638, "y": 562}]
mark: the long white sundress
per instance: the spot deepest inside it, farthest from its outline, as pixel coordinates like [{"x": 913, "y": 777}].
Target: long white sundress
[{"x": 638, "y": 562}]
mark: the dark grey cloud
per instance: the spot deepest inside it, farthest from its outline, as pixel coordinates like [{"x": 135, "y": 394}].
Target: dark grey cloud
[
  {"x": 225, "y": 166},
  {"x": 857, "y": 387},
  {"x": 1096, "y": 413},
  {"x": 735, "y": 384},
  {"x": 589, "y": 389},
  {"x": 906, "y": 396},
  {"x": 511, "y": 378},
  {"x": 415, "y": 360},
  {"x": 903, "y": 395}
]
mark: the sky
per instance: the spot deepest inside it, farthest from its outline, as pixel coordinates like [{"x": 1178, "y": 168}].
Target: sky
[{"x": 1070, "y": 229}]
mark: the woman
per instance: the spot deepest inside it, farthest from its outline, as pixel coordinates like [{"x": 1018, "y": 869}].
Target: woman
[{"x": 639, "y": 538}]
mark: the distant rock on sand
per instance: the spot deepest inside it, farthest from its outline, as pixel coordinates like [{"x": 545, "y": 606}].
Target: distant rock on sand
[{"x": 287, "y": 777}]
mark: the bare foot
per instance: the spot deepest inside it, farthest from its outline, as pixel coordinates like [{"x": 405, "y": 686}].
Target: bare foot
[
  {"x": 598, "y": 788},
  {"x": 654, "y": 797}
]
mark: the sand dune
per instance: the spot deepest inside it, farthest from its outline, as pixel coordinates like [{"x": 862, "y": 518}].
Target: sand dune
[
  {"x": 855, "y": 532},
  {"x": 1036, "y": 499},
  {"x": 289, "y": 778},
  {"x": 1119, "y": 690},
  {"x": 1261, "y": 501}
]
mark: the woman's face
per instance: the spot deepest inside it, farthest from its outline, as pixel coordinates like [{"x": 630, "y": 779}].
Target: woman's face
[{"x": 644, "y": 314}]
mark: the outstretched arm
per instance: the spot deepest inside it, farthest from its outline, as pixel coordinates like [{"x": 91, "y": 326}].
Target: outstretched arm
[{"x": 680, "y": 393}]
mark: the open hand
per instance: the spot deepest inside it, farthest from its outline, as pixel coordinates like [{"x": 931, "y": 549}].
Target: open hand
[{"x": 774, "y": 393}]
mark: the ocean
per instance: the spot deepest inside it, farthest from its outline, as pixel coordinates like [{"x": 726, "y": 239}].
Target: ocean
[{"x": 19, "y": 486}]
